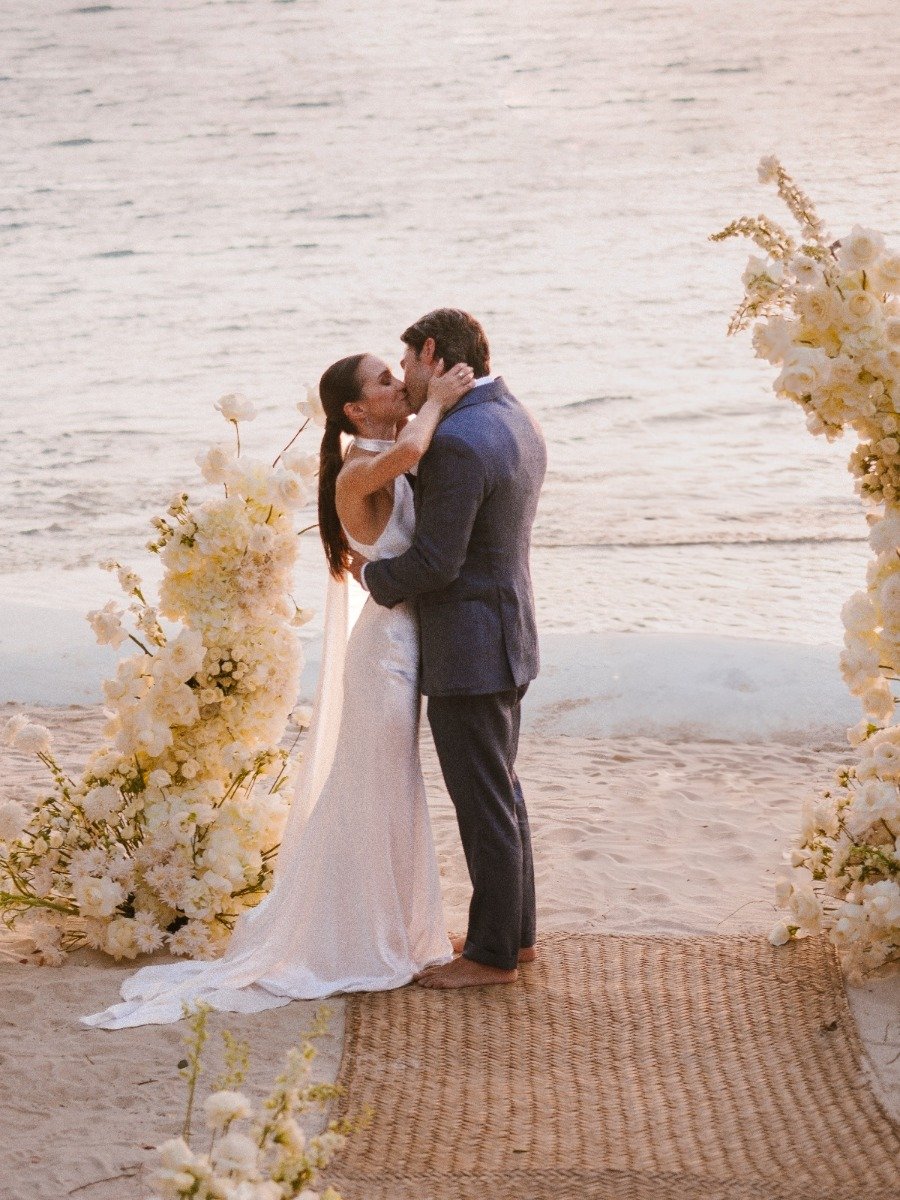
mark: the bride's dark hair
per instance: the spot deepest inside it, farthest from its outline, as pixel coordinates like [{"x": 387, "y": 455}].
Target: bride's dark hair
[{"x": 338, "y": 386}]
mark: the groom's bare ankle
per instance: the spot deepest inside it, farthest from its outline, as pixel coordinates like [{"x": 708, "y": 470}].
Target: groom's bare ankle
[{"x": 458, "y": 941}]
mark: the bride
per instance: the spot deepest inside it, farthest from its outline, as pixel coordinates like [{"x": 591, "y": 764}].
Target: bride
[{"x": 355, "y": 903}]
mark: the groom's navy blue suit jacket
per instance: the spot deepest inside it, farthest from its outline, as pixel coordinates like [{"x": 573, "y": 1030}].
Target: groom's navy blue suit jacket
[{"x": 467, "y": 569}]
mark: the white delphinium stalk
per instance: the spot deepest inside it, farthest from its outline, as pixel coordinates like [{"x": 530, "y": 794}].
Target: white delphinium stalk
[
  {"x": 271, "y": 1156},
  {"x": 828, "y": 316},
  {"x": 173, "y": 828}
]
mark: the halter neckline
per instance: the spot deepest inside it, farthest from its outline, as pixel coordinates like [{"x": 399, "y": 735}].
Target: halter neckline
[{"x": 376, "y": 444}]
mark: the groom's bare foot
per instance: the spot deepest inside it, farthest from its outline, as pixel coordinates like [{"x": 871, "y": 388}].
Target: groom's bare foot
[
  {"x": 458, "y": 940},
  {"x": 464, "y": 972}
]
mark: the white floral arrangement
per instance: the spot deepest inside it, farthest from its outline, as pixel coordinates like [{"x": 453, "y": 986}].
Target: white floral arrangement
[
  {"x": 827, "y": 316},
  {"x": 255, "y": 1152},
  {"x": 173, "y": 827}
]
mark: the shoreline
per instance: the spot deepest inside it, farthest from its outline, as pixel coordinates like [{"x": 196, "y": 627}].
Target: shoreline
[{"x": 672, "y": 686}]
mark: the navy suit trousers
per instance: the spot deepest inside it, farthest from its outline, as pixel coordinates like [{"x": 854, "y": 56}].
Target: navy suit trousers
[{"x": 477, "y": 738}]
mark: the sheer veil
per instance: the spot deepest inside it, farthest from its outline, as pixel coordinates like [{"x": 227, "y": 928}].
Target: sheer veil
[{"x": 318, "y": 755}]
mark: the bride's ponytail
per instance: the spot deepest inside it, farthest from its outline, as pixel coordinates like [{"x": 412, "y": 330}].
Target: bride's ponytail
[{"x": 337, "y": 387}]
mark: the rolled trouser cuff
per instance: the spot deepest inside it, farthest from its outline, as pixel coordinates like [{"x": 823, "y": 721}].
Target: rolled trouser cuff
[{"x": 487, "y": 959}]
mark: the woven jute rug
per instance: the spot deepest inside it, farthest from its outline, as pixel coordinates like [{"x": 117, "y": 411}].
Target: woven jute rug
[{"x": 619, "y": 1068}]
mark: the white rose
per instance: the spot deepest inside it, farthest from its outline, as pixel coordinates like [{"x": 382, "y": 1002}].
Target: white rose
[
  {"x": 261, "y": 540},
  {"x": 878, "y": 699},
  {"x": 886, "y": 274},
  {"x": 886, "y": 757},
  {"x": 13, "y": 820},
  {"x": 884, "y": 535},
  {"x": 185, "y": 654},
  {"x": 860, "y": 249},
  {"x": 858, "y": 613},
  {"x": 312, "y": 408},
  {"x": 301, "y": 462},
  {"x": 97, "y": 897},
  {"x": 880, "y": 797},
  {"x": 889, "y": 603},
  {"x": 861, "y": 306},
  {"x": 120, "y": 941},
  {"x": 235, "y": 407},
  {"x": 215, "y": 463},
  {"x": 106, "y": 623},
  {"x": 288, "y": 491},
  {"x": 33, "y": 739},
  {"x": 803, "y": 372}
]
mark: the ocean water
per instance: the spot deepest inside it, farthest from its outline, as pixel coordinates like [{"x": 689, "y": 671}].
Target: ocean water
[{"x": 198, "y": 198}]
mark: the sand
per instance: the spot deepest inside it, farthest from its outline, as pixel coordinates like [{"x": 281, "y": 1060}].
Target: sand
[{"x": 630, "y": 835}]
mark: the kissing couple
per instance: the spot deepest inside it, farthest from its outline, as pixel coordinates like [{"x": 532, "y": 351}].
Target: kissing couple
[{"x": 433, "y": 517}]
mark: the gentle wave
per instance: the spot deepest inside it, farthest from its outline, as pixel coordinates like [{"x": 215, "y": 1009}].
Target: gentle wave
[{"x": 721, "y": 543}]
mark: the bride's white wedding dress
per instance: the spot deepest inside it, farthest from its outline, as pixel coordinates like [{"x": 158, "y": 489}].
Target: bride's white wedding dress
[{"x": 356, "y": 901}]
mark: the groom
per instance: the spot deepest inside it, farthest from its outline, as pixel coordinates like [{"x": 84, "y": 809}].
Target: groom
[{"x": 467, "y": 571}]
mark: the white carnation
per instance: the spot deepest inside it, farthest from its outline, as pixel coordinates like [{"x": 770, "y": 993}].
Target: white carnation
[
  {"x": 861, "y": 249},
  {"x": 773, "y": 339},
  {"x": 101, "y": 803},
  {"x": 13, "y": 820}
]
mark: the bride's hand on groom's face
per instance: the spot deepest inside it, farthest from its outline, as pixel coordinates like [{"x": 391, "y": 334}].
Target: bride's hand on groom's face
[{"x": 447, "y": 387}]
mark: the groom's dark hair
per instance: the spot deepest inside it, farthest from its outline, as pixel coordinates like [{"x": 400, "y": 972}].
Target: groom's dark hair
[{"x": 458, "y": 338}]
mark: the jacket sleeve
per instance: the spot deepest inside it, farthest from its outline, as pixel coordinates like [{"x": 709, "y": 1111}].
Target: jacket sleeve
[{"x": 451, "y": 487}]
